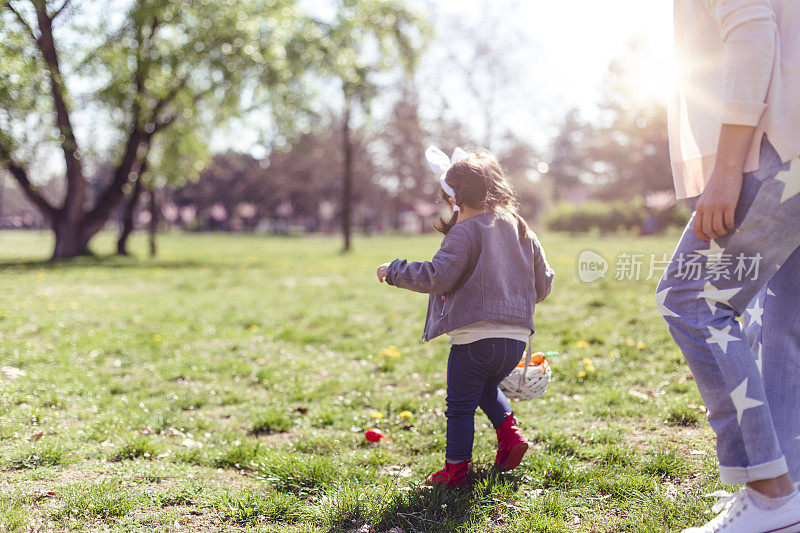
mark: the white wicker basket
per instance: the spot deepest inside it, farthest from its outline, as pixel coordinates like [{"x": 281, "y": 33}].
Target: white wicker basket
[{"x": 528, "y": 380}]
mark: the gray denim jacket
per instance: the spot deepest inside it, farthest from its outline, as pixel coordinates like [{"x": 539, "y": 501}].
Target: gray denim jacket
[{"x": 481, "y": 272}]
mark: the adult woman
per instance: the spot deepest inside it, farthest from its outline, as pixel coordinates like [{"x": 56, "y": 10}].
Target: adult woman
[{"x": 734, "y": 128}]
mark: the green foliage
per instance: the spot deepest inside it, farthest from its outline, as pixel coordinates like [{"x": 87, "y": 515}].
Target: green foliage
[
  {"x": 300, "y": 473},
  {"x": 271, "y": 421},
  {"x": 257, "y": 507},
  {"x": 104, "y": 501},
  {"x": 135, "y": 448},
  {"x": 46, "y": 452},
  {"x": 681, "y": 414},
  {"x": 609, "y": 217},
  {"x": 236, "y": 455},
  {"x": 666, "y": 463}
]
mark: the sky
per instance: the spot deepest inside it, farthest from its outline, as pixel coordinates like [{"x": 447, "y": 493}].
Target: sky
[
  {"x": 568, "y": 46},
  {"x": 579, "y": 38},
  {"x": 563, "y": 56}
]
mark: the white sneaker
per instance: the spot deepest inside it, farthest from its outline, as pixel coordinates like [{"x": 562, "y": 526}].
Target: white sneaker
[{"x": 738, "y": 514}]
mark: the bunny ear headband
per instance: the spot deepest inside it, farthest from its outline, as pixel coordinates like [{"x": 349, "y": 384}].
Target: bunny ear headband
[{"x": 440, "y": 164}]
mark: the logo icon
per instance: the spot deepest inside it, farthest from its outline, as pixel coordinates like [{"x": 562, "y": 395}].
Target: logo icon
[{"x": 591, "y": 266}]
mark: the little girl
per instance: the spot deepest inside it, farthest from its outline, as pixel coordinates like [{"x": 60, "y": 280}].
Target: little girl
[{"x": 483, "y": 282}]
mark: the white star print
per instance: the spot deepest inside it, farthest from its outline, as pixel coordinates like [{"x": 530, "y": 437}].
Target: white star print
[
  {"x": 792, "y": 180},
  {"x": 770, "y": 293},
  {"x": 714, "y": 295},
  {"x": 660, "y": 297},
  {"x": 721, "y": 337},
  {"x": 714, "y": 252},
  {"x": 741, "y": 401},
  {"x": 759, "y": 360},
  {"x": 756, "y": 312}
]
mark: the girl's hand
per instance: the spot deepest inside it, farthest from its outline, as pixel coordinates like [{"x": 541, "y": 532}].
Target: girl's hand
[{"x": 382, "y": 270}]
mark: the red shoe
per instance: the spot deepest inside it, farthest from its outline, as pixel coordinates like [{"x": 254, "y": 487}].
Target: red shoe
[
  {"x": 511, "y": 445},
  {"x": 452, "y": 475}
]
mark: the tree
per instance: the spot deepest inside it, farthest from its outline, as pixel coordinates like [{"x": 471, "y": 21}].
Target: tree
[
  {"x": 569, "y": 161},
  {"x": 486, "y": 59},
  {"x": 403, "y": 138},
  {"x": 631, "y": 151},
  {"x": 366, "y": 37},
  {"x": 298, "y": 174},
  {"x": 176, "y": 157},
  {"x": 164, "y": 62}
]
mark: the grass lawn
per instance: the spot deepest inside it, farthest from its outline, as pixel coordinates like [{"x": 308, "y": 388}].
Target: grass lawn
[{"x": 226, "y": 386}]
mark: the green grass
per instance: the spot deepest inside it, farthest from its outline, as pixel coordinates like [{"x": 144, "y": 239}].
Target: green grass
[{"x": 226, "y": 385}]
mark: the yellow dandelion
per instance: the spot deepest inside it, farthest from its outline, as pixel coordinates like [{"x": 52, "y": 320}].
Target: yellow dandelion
[
  {"x": 590, "y": 368},
  {"x": 157, "y": 337},
  {"x": 582, "y": 344},
  {"x": 376, "y": 414},
  {"x": 586, "y": 361},
  {"x": 631, "y": 343},
  {"x": 253, "y": 327},
  {"x": 3, "y": 313},
  {"x": 406, "y": 414},
  {"x": 640, "y": 346},
  {"x": 581, "y": 374},
  {"x": 390, "y": 352}
]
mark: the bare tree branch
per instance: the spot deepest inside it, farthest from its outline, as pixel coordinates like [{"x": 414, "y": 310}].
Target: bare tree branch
[
  {"x": 21, "y": 175},
  {"x": 73, "y": 201},
  {"x": 60, "y": 9},
  {"x": 22, "y": 21}
]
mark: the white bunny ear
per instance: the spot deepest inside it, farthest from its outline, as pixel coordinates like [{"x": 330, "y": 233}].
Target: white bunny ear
[
  {"x": 458, "y": 155},
  {"x": 437, "y": 160},
  {"x": 440, "y": 164}
]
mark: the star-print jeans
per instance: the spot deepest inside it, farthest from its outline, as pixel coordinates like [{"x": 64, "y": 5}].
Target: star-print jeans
[{"x": 733, "y": 307}]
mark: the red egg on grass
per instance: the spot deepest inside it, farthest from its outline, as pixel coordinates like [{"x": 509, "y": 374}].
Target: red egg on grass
[{"x": 374, "y": 435}]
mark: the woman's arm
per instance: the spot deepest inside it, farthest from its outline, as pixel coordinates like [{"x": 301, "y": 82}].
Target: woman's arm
[
  {"x": 749, "y": 33},
  {"x": 714, "y": 212},
  {"x": 440, "y": 274}
]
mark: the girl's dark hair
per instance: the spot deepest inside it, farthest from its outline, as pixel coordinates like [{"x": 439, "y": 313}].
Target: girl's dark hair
[{"x": 479, "y": 183}]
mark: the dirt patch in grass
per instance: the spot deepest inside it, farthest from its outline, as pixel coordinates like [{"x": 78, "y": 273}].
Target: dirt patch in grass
[{"x": 686, "y": 437}]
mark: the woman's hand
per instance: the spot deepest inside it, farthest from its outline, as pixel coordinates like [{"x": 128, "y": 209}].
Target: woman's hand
[
  {"x": 717, "y": 205},
  {"x": 382, "y": 271}
]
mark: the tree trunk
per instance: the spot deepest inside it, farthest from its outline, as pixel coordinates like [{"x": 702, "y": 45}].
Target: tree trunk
[
  {"x": 127, "y": 217},
  {"x": 347, "y": 186},
  {"x": 70, "y": 240},
  {"x": 152, "y": 227},
  {"x": 2, "y": 193}
]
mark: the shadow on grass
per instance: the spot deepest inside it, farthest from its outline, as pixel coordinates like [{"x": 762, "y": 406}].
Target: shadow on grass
[
  {"x": 113, "y": 262},
  {"x": 438, "y": 509}
]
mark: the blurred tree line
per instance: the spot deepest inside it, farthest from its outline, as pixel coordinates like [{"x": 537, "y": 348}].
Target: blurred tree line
[{"x": 160, "y": 76}]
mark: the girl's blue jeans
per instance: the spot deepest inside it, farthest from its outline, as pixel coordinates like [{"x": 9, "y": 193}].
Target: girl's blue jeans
[
  {"x": 733, "y": 306},
  {"x": 473, "y": 372}
]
